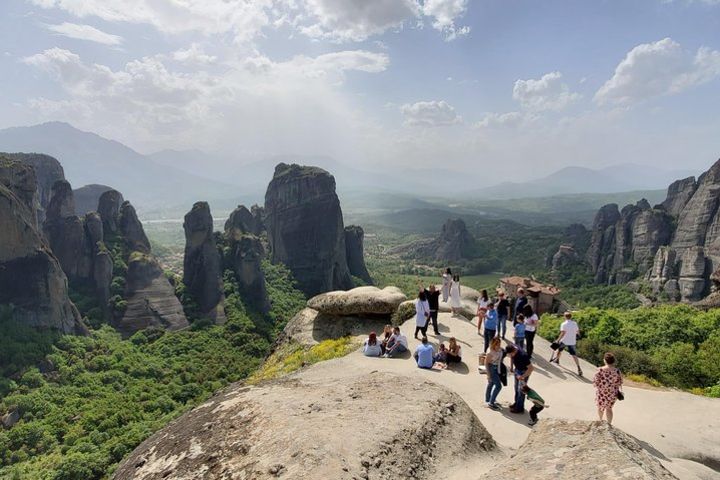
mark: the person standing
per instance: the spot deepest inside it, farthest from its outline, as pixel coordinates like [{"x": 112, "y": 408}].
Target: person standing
[
  {"x": 455, "y": 302},
  {"x": 424, "y": 354},
  {"x": 519, "y": 328},
  {"x": 490, "y": 325},
  {"x": 531, "y": 324},
  {"x": 520, "y": 303},
  {"x": 492, "y": 367},
  {"x": 568, "y": 336},
  {"x": 433, "y": 298},
  {"x": 503, "y": 309},
  {"x": 607, "y": 381},
  {"x": 523, "y": 367},
  {"x": 422, "y": 314},
  {"x": 446, "y": 281}
]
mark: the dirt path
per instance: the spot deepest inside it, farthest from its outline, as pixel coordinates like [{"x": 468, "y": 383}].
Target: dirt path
[{"x": 674, "y": 426}]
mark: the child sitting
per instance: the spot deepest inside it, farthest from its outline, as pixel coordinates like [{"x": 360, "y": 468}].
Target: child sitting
[
  {"x": 520, "y": 331},
  {"x": 440, "y": 358},
  {"x": 538, "y": 403}
]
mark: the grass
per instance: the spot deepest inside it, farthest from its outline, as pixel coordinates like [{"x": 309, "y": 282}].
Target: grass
[{"x": 293, "y": 356}]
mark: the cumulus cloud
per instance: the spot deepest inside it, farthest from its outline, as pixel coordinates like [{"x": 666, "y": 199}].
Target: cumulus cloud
[
  {"x": 430, "y": 114},
  {"x": 194, "y": 54},
  {"x": 444, "y": 13},
  {"x": 502, "y": 120},
  {"x": 85, "y": 32},
  {"x": 546, "y": 93},
  {"x": 656, "y": 69}
]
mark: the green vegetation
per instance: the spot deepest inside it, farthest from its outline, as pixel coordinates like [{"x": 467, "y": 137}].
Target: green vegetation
[
  {"x": 98, "y": 397},
  {"x": 293, "y": 356},
  {"x": 579, "y": 290},
  {"x": 676, "y": 345}
]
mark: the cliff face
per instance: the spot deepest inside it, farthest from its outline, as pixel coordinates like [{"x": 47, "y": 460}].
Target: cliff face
[
  {"x": 305, "y": 228},
  {"x": 47, "y": 171},
  {"x": 674, "y": 245},
  {"x": 202, "y": 264},
  {"x": 355, "y": 253},
  {"x": 453, "y": 244},
  {"x": 88, "y": 197},
  {"x": 31, "y": 278}
]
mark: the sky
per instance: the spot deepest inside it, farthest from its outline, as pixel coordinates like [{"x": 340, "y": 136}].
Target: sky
[{"x": 505, "y": 89}]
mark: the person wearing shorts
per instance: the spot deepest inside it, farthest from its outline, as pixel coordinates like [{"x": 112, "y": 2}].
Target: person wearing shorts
[{"x": 568, "y": 336}]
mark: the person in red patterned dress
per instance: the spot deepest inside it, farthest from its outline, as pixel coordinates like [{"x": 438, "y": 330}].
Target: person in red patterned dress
[{"x": 607, "y": 381}]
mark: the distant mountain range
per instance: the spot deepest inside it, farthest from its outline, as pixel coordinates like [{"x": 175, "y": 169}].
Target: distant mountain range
[
  {"x": 572, "y": 180},
  {"x": 172, "y": 179}
]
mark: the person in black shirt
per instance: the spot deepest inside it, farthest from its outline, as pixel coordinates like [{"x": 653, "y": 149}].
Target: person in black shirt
[
  {"x": 503, "y": 309},
  {"x": 433, "y": 298},
  {"x": 523, "y": 368},
  {"x": 520, "y": 303}
]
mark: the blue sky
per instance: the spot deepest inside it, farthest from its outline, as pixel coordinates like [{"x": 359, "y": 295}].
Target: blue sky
[{"x": 510, "y": 88}]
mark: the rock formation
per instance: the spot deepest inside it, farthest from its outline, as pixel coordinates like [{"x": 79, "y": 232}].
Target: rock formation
[
  {"x": 355, "y": 252},
  {"x": 686, "y": 225},
  {"x": 245, "y": 221},
  {"x": 20, "y": 179},
  {"x": 88, "y": 197},
  {"x": 131, "y": 229},
  {"x": 151, "y": 300},
  {"x": 47, "y": 171},
  {"x": 202, "y": 265},
  {"x": 565, "y": 256},
  {"x": 306, "y": 427},
  {"x": 590, "y": 450},
  {"x": 244, "y": 257},
  {"x": 454, "y": 243},
  {"x": 109, "y": 210},
  {"x": 31, "y": 278},
  {"x": 305, "y": 228}
]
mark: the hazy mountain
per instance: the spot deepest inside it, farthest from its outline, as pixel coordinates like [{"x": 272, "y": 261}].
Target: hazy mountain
[
  {"x": 90, "y": 159},
  {"x": 574, "y": 180}
]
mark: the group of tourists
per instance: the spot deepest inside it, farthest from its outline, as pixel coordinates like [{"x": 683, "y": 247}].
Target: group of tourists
[{"x": 494, "y": 316}]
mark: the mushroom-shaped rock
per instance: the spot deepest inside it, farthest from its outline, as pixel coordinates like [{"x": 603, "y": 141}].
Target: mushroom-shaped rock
[{"x": 359, "y": 301}]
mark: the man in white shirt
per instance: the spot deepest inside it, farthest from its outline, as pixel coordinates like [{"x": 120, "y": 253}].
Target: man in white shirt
[
  {"x": 397, "y": 343},
  {"x": 568, "y": 336}
]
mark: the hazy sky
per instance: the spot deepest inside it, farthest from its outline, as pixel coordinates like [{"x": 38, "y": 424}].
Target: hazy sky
[{"x": 510, "y": 87}]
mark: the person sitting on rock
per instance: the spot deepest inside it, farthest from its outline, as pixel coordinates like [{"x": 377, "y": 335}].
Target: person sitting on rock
[
  {"x": 538, "y": 403},
  {"x": 397, "y": 343},
  {"x": 387, "y": 334},
  {"x": 371, "y": 347},
  {"x": 424, "y": 354},
  {"x": 454, "y": 354}
]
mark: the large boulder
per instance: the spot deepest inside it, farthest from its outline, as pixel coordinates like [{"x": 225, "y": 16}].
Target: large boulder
[
  {"x": 359, "y": 301},
  {"x": 243, "y": 221},
  {"x": 316, "y": 427},
  {"x": 151, "y": 300},
  {"x": 305, "y": 228},
  {"x": 87, "y": 198},
  {"x": 31, "y": 278},
  {"x": 355, "y": 252},
  {"x": 309, "y": 327},
  {"x": 202, "y": 263},
  {"x": 579, "y": 450}
]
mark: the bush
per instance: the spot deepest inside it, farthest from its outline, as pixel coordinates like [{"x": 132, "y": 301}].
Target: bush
[{"x": 405, "y": 311}]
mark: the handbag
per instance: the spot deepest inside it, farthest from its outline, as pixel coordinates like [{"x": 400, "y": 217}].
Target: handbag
[{"x": 620, "y": 395}]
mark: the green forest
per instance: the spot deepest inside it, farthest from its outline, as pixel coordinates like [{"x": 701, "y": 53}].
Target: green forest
[{"x": 86, "y": 402}]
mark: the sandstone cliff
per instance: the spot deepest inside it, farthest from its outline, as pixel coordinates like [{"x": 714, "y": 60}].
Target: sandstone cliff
[
  {"x": 47, "y": 171},
  {"x": 355, "y": 252},
  {"x": 454, "y": 243},
  {"x": 31, "y": 278},
  {"x": 305, "y": 228},
  {"x": 88, "y": 197},
  {"x": 202, "y": 268},
  {"x": 675, "y": 245}
]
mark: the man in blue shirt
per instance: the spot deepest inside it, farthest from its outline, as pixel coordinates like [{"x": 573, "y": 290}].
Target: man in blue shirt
[
  {"x": 491, "y": 324},
  {"x": 424, "y": 354}
]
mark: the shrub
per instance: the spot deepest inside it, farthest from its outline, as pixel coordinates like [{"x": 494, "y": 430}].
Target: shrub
[{"x": 405, "y": 311}]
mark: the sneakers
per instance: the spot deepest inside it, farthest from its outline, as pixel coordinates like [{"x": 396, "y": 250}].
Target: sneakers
[
  {"x": 515, "y": 410},
  {"x": 580, "y": 372},
  {"x": 493, "y": 406},
  {"x": 532, "y": 422}
]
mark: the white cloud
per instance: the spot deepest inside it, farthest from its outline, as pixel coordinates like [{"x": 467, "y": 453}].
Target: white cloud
[
  {"x": 355, "y": 20},
  {"x": 444, "y": 14},
  {"x": 85, "y": 32},
  {"x": 430, "y": 114},
  {"x": 193, "y": 55},
  {"x": 545, "y": 93},
  {"x": 502, "y": 120},
  {"x": 243, "y": 18},
  {"x": 656, "y": 69}
]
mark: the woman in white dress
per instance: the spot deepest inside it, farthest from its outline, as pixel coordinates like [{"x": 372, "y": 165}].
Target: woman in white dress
[
  {"x": 446, "y": 281},
  {"x": 455, "y": 303}
]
